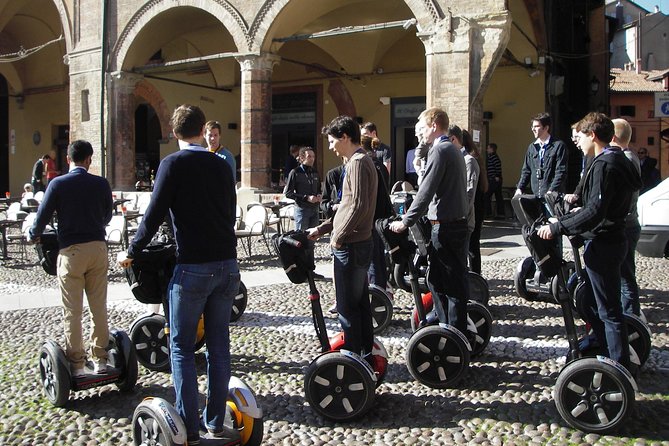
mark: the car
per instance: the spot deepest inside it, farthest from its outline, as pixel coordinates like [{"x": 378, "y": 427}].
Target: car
[{"x": 653, "y": 208}]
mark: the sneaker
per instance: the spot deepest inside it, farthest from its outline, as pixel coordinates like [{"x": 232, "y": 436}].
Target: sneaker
[
  {"x": 100, "y": 366},
  {"x": 78, "y": 372},
  {"x": 193, "y": 440},
  {"x": 318, "y": 276},
  {"x": 333, "y": 309}
]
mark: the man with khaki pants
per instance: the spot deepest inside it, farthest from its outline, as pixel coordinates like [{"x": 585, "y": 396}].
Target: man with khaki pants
[{"x": 83, "y": 203}]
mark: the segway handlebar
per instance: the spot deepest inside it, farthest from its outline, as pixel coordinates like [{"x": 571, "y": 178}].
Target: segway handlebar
[{"x": 292, "y": 242}]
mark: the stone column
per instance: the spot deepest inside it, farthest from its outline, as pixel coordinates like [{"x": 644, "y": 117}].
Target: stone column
[
  {"x": 256, "y": 120},
  {"x": 121, "y": 150},
  {"x": 461, "y": 56}
]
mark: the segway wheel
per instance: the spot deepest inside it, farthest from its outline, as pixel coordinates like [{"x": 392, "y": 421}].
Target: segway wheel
[
  {"x": 525, "y": 270},
  {"x": 638, "y": 335},
  {"x": 338, "y": 387},
  {"x": 478, "y": 288},
  {"x": 128, "y": 360},
  {"x": 200, "y": 340},
  {"x": 382, "y": 309},
  {"x": 245, "y": 413},
  {"x": 156, "y": 422},
  {"x": 479, "y": 327},
  {"x": 437, "y": 356},
  {"x": 148, "y": 336},
  {"x": 593, "y": 396},
  {"x": 54, "y": 374},
  {"x": 239, "y": 303}
]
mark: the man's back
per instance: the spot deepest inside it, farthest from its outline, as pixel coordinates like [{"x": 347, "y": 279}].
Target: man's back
[
  {"x": 203, "y": 221},
  {"x": 83, "y": 203}
]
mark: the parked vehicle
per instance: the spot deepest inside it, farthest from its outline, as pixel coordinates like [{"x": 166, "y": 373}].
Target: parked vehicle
[{"x": 653, "y": 208}]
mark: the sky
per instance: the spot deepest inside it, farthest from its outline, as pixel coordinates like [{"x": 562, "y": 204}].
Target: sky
[{"x": 650, "y": 5}]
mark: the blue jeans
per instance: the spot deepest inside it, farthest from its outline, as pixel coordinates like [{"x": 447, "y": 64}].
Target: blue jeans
[
  {"x": 202, "y": 289},
  {"x": 351, "y": 262},
  {"x": 378, "y": 274},
  {"x": 447, "y": 278},
  {"x": 603, "y": 259},
  {"x": 629, "y": 289}
]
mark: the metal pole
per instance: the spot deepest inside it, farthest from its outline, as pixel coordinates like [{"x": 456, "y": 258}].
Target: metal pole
[{"x": 103, "y": 75}]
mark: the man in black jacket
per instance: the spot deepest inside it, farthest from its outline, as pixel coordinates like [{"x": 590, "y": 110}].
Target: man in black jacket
[
  {"x": 304, "y": 186},
  {"x": 607, "y": 194},
  {"x": 545, "y": 165}
]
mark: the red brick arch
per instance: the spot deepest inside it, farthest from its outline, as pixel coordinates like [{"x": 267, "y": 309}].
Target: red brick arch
[{"x": 146, "y": 91}]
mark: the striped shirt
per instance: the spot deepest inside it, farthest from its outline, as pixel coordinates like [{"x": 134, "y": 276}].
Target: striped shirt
[{"x": 494, "y": 166}]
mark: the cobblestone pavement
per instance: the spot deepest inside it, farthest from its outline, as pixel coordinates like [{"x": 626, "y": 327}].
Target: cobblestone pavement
[{"x": 506, "y": 397}]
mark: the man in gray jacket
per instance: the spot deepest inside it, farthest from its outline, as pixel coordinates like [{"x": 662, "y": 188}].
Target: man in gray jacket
[{"x": 443, "y": 193}]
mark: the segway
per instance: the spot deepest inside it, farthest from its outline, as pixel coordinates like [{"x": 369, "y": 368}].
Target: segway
[
  {"x": 339, "y": 384},
  {"x": 149, "y": 277},
  {"x": 478, "y": 286},
  {"x": 156, "y": 422},
  {"x": 55, "y": 375},
  {"x": 438, "y": 354},
  {"x": 592, "y": 394},
  {"x": 382, "y": 308}
]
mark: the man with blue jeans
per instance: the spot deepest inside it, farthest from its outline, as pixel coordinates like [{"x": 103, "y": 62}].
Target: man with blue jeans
[
  {"x": 443, "y": 194},
  {"x": 351, "y": 239},
  {"x": 206, "y": 277},
  {"x": 609, "y": 185}
]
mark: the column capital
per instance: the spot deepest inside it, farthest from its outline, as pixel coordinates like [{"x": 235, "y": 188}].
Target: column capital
[
  {"x": 263, "y": 61},
  {"x": 124, "y": 81}
]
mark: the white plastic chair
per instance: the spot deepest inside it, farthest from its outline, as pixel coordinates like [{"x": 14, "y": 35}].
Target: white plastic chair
[
  {"x": 116, "y": 232},
  {"x": 254, "y": 225}
]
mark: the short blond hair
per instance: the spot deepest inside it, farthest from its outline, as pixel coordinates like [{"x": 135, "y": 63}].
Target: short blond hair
[
  {"x": 435, "y": 115},
  {"x": 622, "y": 131}
]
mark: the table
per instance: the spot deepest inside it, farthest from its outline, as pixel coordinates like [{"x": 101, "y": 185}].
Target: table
[{"x": 4, "y": 225}]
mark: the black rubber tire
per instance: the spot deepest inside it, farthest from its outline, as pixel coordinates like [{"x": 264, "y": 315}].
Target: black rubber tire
[
  {"x": 399, "y": 274},
  {"x": 54, "y": 376},
  {"x": 481, "y": 331},
  {"x": 126, "y": 349},
  {"x": 239, "y": 303},
  {"x": 382, "y": 309},
  {"x": 478, "y": 288},
  {"x": 593, "y": 396},
  {"x": 639, "y": 337},
  {"x": 441, "y": 370},
  {"x": 147, "y": 428},
  {"x": 338, "y": 387},
  {"x": 525, "y": 270},
  {"x": 151, "y": 343}
]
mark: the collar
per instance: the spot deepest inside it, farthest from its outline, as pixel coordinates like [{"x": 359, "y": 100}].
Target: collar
[
  {"x": 544, "y": 142},
  {"x": 183, "y": 145},
  {"x": 78, "y": 169}
]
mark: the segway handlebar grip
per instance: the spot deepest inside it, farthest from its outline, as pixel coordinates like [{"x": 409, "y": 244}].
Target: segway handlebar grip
[{"x": 293, "y": 242}]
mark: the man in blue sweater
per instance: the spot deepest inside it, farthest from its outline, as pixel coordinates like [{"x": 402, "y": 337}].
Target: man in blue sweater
[
  {"x": 84, "y": 206},
  {"x": 206, "y": 277}
]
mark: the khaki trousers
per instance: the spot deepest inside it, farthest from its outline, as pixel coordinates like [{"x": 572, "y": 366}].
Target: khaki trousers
[{"x": 83, "y": 267}]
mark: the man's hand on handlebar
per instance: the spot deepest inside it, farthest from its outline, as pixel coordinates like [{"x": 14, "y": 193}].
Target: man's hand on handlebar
[
  {"x": 545, "y": 232},
  {"x": 397, "y": 226},
  {"x": 123, "y": 260}
]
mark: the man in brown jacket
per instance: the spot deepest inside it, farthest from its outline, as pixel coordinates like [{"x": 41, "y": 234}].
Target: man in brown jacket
[{"x": 351, "y": 238}]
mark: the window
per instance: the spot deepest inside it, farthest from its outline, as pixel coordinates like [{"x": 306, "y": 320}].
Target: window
[
  {"x": 628, "y": 110},
  {"x": 651, "y": 141},
  {"x": 633, "y": 138},
  {"x": 85, "y": 111}
]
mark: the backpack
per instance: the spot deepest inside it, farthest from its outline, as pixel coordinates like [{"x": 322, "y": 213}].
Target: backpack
[
  {"x": 294, "y": 259},
  {"x": 151, "y": 271},
  {"x": 47, "y": 252}
]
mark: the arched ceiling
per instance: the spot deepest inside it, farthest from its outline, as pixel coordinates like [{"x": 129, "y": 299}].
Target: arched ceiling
[
  {"x": 361, "y": 53},
  {"x": 166, "y": 33},
  {"x": 27, "y": 25}
]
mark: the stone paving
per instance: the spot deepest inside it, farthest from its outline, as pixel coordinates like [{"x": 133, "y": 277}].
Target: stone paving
[{"x": 505, "y": 398}]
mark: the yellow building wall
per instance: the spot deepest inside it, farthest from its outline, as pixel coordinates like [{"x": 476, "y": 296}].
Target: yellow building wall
[
  {"x": 39, "y": 112},
  {"x": 514, "y": 98}
]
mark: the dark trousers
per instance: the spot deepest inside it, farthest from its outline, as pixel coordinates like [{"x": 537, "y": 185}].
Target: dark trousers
[
  {"x": 378, "y": 274},
  {"x": 628, "y": 287},
  {"x": 603, "y": 259},
  {"x": 494, "y": 188},
  {"x": 447, "y": 277},
  {"x": 351, "y": 262},
  {"x": 475, "y": 236}
]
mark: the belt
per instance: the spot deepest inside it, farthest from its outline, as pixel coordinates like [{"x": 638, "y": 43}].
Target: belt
[{"x": 439, "y": 222}]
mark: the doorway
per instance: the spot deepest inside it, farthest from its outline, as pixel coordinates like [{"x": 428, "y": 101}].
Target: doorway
[
  {"x": 4, "y": 135},
  {"x": 404, "y": 115},
  {"x": 147, "y": 145},
  {"x": 61, "y": 139},
  {"x": 294, "y": 122}
]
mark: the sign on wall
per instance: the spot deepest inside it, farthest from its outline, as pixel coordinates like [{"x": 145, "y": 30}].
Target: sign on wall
[{"x": 662, "y": 104}]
